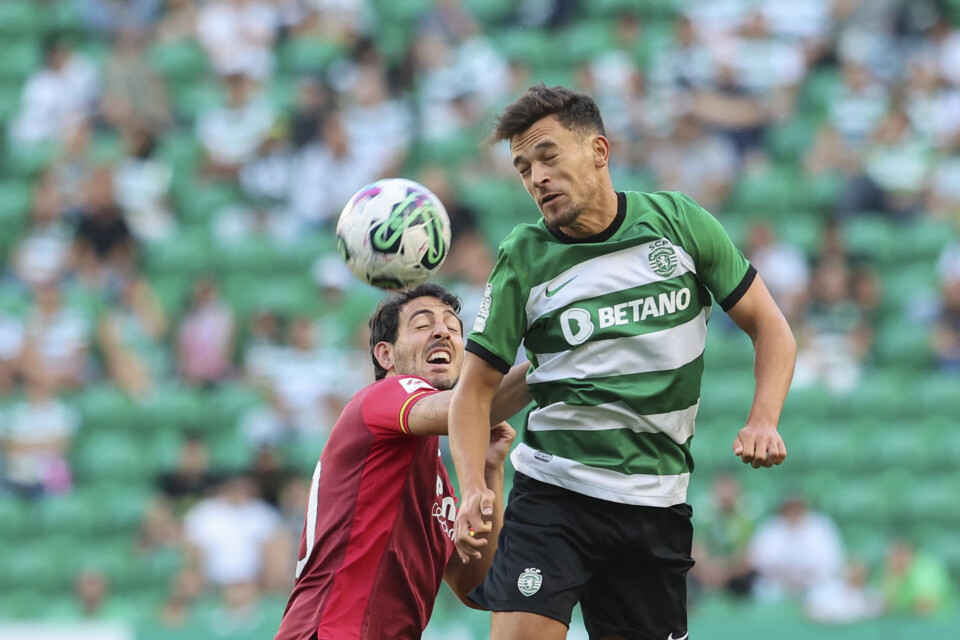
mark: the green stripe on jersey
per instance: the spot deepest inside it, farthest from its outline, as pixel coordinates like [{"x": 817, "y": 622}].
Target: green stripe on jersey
[
  {"x": 620, "y": 450},
  {"x": 645, "y": 393}
]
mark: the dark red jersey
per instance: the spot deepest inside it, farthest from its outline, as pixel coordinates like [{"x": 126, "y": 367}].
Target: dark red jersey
[{"x": 377, "y": 534}]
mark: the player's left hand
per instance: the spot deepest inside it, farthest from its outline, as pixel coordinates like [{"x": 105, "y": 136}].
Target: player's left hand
[
  {"x": 501, "y": 439},
  {"x": 759, "y": 446}
]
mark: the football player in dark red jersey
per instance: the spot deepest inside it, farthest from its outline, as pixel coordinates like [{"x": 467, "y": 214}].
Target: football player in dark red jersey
[{"x": 377, "y": 539}]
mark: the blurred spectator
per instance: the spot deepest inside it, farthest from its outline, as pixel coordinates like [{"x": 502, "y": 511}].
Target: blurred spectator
[
  {"x": 469, "y": 250},
  {"x": 857, "y": 105},
  {"x": 334, "y": 20},
  {"x": 945, "y": 338},
  {"x": 35, "y": 434},
  {"x": 692, "y": 160},
  {"x": 59, "y": 93},
  {"x": 308, "y": 380},
  {"x": 943, "y": 193},
  {"x": 263, "y": 346},
  {"x": 43, "y": 255},
  {"x": 107, "y": 17},
  {"x": 240, "y": 612},
  {"x": 254, "y": 220},
  {"x": 142, "y": 187},
  {"x": 914, "y": 582},
  {"x": 178, "y": 21},
  {"x": 58, "y": 338},
  {"x": 269, "y": 474},
  {"x": 92, "y": 600},
  {"x": 328, "y": 172},
  {"x": 896, "y": 167},
  {"x": 134, "y": 95},
  {"x": 238, "y": 36},
  {"x": 932, "y": 107},
  {"x": 835, "y": 338},
  {"x": 132, "y": 340},
  {"x": 72, "y": 169},
  {"x": 104, "y": 248},
  {"x": 268, "y": 424},
  {"x": 723, "y": 532},
  {"x": 206, "y": 338},
  {"x": 845, "y": 600},
  {"x": 313, "y": 102},
  {"x": 266, "y": 177},
  {"x": 229, "y": 533},
  {"x": 191, "y": 479},
  {"x": 11, "y": 349},
  {"x": 795, "y": 551},
  {"x": 783, "y": 267},
  {"x": 230, "y": 135},
  {"x": 378, "y": 124},
  {"x": 176, "y": 612}
]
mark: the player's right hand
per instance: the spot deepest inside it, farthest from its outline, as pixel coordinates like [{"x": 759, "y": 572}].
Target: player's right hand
[{"x": 474, "y": 516}]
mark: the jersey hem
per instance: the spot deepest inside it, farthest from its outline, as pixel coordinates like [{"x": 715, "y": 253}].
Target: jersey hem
[
  {"x": 488, "y": 356},
  {"x": 740, "y": 290}
]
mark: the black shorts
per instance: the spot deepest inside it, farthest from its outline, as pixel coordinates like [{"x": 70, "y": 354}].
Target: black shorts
[{"x": 626, "y": 565}]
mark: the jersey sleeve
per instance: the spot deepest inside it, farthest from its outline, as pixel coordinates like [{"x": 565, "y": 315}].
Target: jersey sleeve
[
  {"x": 386, "y": 409},
  {"x": 720, "y": 265},
  {"x": 501, "y": 319}
]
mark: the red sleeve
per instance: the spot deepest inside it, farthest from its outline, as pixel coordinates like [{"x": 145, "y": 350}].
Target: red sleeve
[{"x": 387, "y": 406}]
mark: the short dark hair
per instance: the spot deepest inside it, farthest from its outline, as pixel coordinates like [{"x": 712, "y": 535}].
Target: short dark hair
[
  {"x": 385, "y": 323},
  {"x": 576, "y": 111}
]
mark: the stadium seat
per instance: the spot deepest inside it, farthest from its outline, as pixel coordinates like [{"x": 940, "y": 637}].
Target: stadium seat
[
  {"x": 188, "y": 253},
  {"x": 64, "y": 514},
  {"x": 899, "y": 343},
  {"x": 490, "y": 12},
  {"x": 16, "y": 198},
  {"x": 308, "y": 55},
  {"x": 106, "y": 408},
  {"x": 584, "y": 40},
  {"x": 16, "y": 519},
  {"x": 179, "y": 60},
  {"x": 110, "y": 455},
  {"x": 29, "y": 161},
  {"x": 18, "y": 17}
]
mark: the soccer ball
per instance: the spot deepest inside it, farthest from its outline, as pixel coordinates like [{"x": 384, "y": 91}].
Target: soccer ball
[{"x": 393, "y": 233}]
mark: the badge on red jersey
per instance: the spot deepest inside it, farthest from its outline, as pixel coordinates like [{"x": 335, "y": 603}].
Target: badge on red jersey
[{"x": 412, "y": 384}]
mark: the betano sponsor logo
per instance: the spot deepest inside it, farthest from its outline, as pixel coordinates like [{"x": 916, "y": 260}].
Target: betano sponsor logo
[{"x": 578, "y": 325}]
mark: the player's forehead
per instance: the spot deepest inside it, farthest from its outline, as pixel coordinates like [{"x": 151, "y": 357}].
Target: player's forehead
[
  {"x": 428, "y": 306},
  {"x": 541, "y": 134}
]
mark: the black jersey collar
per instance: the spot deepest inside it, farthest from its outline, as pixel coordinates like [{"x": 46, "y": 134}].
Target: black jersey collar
[{"x": 604, "y": 235}]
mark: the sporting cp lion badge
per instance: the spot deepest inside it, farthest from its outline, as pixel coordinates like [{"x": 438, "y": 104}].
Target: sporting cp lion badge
[
  {"x": 529, "y": 581},
  {"x": 663, "y": 261}
]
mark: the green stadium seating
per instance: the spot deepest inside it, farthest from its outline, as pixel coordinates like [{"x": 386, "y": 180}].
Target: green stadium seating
[
  {"x": 174, "y": 408},
  {"x": 178, "y": 61},
  {"x": 186, "y": 254},
  {"x": 16, "y": 201},
  {"x": 490, "y": 12},
  {"x": 308, "y": 55},
  {"x": 585, "y": 40},
  {"x": 18, "y": 17},
  {"x": 66, "y": 514},
  {"x": 28, "y": 161},
  {"x": 16, "y": 519},
  {"x": 109, "y": 455},
  {"x": 106, "y": 408}
]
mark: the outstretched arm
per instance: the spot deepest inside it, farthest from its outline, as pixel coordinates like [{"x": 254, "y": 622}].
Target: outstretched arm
[
  {"x": 469, "y": 435},
  {"x": 758, "y": 442},
  {"x": 463, "y": 577}
]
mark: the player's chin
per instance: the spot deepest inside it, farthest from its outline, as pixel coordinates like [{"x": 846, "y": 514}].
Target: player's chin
[{"x": 443, "y": 380}]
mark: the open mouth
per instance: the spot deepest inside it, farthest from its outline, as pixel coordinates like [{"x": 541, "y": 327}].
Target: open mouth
[{"x": 438, "y": 357}]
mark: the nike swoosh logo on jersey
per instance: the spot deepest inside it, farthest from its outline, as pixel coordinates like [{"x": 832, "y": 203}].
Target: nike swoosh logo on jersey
[
  {"x": 683, "y": 637},
  {"x": 555, "y": 289}
]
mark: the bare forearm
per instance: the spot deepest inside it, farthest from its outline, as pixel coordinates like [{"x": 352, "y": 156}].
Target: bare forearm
[
  {"x": 469, "y": 429},
  {"x": 512, "y": 395},
  {"x": 776, "y": 354}
]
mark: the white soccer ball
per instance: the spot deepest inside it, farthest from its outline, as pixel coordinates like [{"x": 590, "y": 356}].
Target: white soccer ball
[{"x": 393, "y": 233}]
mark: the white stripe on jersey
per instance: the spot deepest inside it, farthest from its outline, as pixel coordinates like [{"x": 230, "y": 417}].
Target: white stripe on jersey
[
  {"x": 657, "y": 351},
  {"x": 679, "y": 425},
  {"x": 605, "y": 274},
  {"x": 637, "y": 489}
]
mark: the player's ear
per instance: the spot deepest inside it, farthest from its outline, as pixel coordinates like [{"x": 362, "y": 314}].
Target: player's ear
[
  {"x": 601, "y": 151},
  {"x": 383, "y": 352}
]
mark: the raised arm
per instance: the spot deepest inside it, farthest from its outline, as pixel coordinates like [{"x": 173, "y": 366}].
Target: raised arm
[
  {"x": 758, "y": 442},
  {"x": 429, "y": 415},
  {"x": 469, "y": 435},
  {"x": 463, "y": 577}
]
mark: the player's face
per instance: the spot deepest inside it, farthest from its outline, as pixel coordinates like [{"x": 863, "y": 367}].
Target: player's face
[
  {"x": 558, "y": 170},
  {"x": 429, "y": 342}
]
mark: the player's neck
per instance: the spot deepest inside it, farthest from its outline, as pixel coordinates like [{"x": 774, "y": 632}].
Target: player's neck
[{"x": 597, "y": 217}]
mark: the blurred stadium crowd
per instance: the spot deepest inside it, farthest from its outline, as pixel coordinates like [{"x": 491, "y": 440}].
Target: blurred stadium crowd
[{"x": 177, "y": 333}]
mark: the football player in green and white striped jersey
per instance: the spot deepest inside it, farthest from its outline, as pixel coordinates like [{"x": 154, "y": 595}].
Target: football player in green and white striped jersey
[{"x": 610, "y": 294}]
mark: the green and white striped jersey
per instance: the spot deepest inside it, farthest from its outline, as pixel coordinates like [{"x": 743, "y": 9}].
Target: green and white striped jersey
[{"x": 614, "y": 326}]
